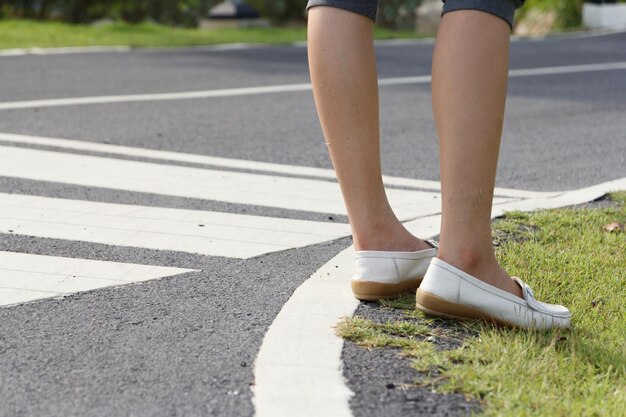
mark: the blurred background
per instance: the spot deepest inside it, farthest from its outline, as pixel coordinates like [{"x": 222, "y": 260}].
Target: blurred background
[{"x": 286, "y": 18}]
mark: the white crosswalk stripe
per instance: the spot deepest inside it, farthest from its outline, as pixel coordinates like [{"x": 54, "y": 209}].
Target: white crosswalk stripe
[
  {"x": 272, "y": 168},
  {"x": 233, "y": 187},
  {"x": 193, "y": 231}
]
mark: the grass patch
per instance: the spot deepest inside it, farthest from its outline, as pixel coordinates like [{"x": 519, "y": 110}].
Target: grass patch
[
  {"x": 28, "y": 33},
  {"x": 567, "y": 258}
]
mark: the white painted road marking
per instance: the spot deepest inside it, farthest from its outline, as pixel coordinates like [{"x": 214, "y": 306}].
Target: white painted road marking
[
  {"x": 522, "y": 72},
  {"x": 288, "y": 384},
  {"x": 298, "y": 370},
  {"x": 25, "y": 277},
  {"x": 187, "y": 95},
  {"x": 285, "y": 88},
  {"x": 193, "y": 231},
  {"x": 64, "y": 50},
  {"x": 232, "y": 163},
  {"x": 221, "y": 234},
  {"x": 289, "y": 376},
  {"x": 233, "y": 187}
]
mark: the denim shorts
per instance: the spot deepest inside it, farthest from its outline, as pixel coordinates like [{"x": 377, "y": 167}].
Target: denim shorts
[{"x": 504, "y": 9}]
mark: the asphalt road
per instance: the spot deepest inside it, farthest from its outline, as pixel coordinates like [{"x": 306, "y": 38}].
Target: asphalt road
[{"x": 184, "y": 345}]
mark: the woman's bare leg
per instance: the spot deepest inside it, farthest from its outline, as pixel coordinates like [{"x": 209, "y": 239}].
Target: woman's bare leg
[
  {"x": 345, "y": 86},
  {"x": 470, "y": 71}
]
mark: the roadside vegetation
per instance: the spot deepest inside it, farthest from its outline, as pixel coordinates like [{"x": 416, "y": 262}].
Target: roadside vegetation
[
  {"x": 146, "y": 23},
  {"x": 567, "y": 14},
  {"x": 29, "y": 34},
  {"x": 571, "y": 256},
  {"x": 141, "y": 23}
]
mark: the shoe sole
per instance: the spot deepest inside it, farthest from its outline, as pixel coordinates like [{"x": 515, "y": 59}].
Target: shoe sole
[
  {"x": 436, "y": 306},
  {"x": 372, "y": 291}
]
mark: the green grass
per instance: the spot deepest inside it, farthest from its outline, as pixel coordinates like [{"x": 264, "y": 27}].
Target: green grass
[
  {"x": 28, "y": 34},
  {"x": 567, "y": 258}
]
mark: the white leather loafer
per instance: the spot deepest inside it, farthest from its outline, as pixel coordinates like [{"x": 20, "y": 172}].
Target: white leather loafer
[
  {"x": 381, "y": 274},
  {"x": 449, "y": 292}
]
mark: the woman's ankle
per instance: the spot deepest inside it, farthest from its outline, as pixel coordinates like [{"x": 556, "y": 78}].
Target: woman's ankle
[
  {"x": 467, "y": 259},
  {"x": 391, "y": 237},
  {"x": 481, "y": 265}
]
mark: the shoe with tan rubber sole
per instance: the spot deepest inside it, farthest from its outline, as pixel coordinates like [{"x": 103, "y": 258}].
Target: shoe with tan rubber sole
[
  {"x": 382, "y": 274},
  {"x": 447, "y": 291}
]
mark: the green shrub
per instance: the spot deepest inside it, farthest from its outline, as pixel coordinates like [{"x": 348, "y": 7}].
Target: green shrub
[
  {"x": 171, "y": 12},
  {"x": 280, "y": 11},
  {"x": 568, "y": 12},
  {"x": 394, "y": 14}
]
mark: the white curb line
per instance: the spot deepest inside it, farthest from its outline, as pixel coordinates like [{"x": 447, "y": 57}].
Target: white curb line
[{"x": 298, "y": 370}]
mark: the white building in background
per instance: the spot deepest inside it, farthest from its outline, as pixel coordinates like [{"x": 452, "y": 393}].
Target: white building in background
[{"x": 605, "y": 15}]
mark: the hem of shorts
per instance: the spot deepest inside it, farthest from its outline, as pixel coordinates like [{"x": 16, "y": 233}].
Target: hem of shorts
[
  {"x": 354, "y": 6},
  {"x": 506, "y": 13}
]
